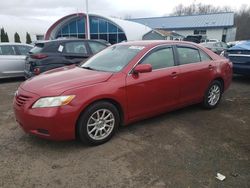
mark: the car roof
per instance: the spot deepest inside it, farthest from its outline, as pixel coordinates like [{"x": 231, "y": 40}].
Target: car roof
[
  {"x": 68, "y": 39},
  {"x": 157, "y": 42},
  {"x": 209, "y": 42},
  {"x": 14, "y": 43}
]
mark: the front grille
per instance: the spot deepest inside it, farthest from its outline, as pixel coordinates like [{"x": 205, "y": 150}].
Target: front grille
[
  {"x": 238, "y": 52},
  {"x": 22, "y": 99}
]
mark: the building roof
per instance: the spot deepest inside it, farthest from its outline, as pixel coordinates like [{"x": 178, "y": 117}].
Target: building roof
[
  {"x": 167, "y": 33},
  {"x": 225, "y": 19}
]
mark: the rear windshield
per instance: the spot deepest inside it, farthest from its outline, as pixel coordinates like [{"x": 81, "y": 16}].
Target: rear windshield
[{"x": 37, "y": 49}]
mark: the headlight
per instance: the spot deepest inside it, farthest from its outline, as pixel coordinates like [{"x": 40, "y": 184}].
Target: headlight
[{"x": 53, "y": 101}]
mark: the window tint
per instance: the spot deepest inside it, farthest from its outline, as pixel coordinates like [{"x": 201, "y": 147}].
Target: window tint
[
  {"x": 23, "y": 49},
  {"x": 188, "y": 55},
  {"x": 75, "y": 47},
  {"x": 7, "y": 50},
  {"x": 204, "y": 56},
  {"x": 160, "y": 59},
  {"x": 96, "y": 47}
]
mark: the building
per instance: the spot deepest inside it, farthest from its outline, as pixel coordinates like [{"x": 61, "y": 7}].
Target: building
[
  {"x": 110, "y": 29},
  {"x": 219, "y": 26},
  {"x": 35, "y": 27},
  {"x": 160, "y": 34}
]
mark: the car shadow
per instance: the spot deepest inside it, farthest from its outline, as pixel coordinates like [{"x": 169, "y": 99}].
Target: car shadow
[
  {"x": 54, "y": 145},
  {"x": 162, "y": 117},
  {"x": 241, "y": 79},
  {"x": 11, "y": 80}
]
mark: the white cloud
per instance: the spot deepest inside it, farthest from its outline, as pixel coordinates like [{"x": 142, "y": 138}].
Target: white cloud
[{"x": 47, "y": 9}]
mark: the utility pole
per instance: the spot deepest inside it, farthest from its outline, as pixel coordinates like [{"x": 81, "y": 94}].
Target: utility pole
[{"x": 87, "y": 19}]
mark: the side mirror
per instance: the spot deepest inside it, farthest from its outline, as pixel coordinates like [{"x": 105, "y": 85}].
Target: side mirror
[{"x": 142, "y": 68}]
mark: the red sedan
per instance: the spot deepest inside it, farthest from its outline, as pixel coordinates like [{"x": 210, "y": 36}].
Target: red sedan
[{"x": 124, "y": 83}]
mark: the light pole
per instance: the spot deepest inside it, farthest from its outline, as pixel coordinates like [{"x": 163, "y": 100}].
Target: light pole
[{"x": 87, "y": 19}]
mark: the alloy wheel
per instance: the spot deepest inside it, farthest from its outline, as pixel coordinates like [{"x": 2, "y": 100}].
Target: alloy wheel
[{"x": 100, "y": 124}]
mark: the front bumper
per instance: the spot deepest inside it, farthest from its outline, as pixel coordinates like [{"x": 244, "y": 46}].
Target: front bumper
[
  {"x": 57, "y": 123},
  {"x": 28, "y": 74},
  {"x": 242, "y": 69}
]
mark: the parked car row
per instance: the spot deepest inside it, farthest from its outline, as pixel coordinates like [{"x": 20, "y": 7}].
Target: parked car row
[
  {"x": 18, "y": 60},
  {"x": 216, "y": 47},
  {"x": 238, "y": 52}
]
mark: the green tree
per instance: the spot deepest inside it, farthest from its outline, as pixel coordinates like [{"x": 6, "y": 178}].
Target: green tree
[
  {"x": 241, "y": 21},
  {"x": 28, "y": 38},
  {"x": 198, "y": 8},
  {"x": 6, "y": 37},
  {"x": 2, "y": 33},
  {"x": 17, "y": 38}
]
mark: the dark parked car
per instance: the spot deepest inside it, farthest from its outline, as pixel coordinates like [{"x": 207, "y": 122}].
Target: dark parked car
[
  {"x": 120, "y": 85},
  {"x": 49, "y": 55},
  {"x": 193, "y": 38},
  {"x": 240, "y": 56},
  {"x": 216, "y": 47}
]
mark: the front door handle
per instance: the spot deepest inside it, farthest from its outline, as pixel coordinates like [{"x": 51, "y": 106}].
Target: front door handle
[{"x": 210, "y": 67}]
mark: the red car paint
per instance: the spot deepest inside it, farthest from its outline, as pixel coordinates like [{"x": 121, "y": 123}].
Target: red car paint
[{"x": 138, "y": 96}]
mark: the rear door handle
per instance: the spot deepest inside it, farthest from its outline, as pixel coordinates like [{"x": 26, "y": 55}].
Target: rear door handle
[{"x": 173, "y": 74}]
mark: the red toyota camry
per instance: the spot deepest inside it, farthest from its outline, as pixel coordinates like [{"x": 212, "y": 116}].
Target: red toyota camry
[{"x": 122, "y": 84}]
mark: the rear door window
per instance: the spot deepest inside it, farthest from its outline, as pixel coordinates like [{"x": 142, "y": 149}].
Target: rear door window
[
  {"x": 75, "y": 48},
  {"x": 7, "y": 50},
  {"x": 96, "y": 47},
  {"x": 23, "y": 50},
  {"x": 161, "y": 58},
  {"x": 188, "y": 55}
]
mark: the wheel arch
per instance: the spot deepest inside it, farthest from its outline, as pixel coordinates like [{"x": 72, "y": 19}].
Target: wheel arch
[
  {"x": 220, "y": 79},
  {"x": 110, "y": 100}
]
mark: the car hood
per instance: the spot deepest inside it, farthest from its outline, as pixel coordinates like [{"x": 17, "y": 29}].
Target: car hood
[
  {"x": 244, "y": 45},
  {"x": 56, "y": 81}
]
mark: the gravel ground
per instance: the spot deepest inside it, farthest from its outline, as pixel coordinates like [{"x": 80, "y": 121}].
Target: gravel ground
[{"x": 185, "y": 148}]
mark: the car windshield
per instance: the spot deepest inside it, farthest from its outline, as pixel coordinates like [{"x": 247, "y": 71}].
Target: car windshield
[
  {"x": 208, "y": 44},
  {"x": 112, "y": 59}
]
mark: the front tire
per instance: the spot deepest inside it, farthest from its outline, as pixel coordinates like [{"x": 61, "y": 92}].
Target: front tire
[
  {"x": 213, "y": 95},
  {"x": 98, "y": 123}
]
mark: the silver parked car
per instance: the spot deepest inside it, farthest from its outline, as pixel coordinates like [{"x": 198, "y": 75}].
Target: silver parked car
[{"x": 12, "y": 59}]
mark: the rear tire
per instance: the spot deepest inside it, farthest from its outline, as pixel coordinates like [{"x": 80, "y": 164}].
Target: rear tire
[
  {"x": 213, "y": 95},
  {"x": 98, "y": 123}
]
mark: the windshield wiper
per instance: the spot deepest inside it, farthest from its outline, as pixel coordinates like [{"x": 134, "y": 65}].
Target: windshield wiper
[{"x": 89, "y": 68}]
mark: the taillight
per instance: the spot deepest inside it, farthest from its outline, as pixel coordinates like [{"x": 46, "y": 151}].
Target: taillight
[
  {"x": 39, "y": 56},
  {"x": 36, "y": 71}
]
